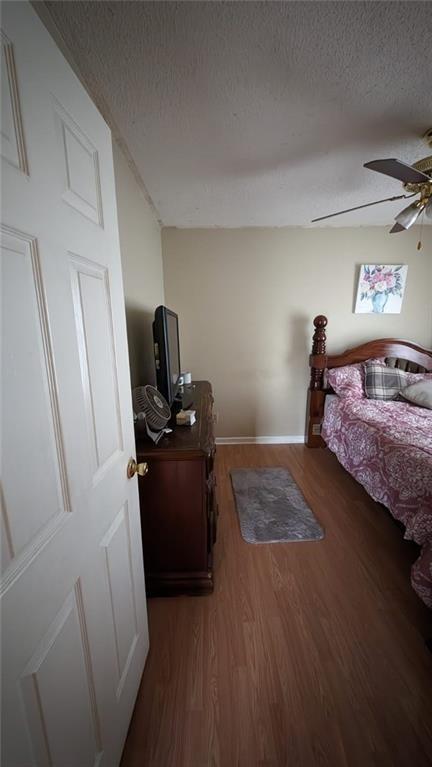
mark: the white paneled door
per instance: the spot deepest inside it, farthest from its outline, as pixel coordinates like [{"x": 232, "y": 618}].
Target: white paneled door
[{"x": 74, "y": 624}]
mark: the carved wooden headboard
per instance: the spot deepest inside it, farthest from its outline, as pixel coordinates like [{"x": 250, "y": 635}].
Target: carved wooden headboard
[{"x": 398, "y": 353}]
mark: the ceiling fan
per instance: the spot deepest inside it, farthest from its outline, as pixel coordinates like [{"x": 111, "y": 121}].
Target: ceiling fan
[{"x": 417, "y": 181}]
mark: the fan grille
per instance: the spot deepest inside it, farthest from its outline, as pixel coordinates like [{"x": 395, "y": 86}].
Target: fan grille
[{"x": 148, "y": 400}]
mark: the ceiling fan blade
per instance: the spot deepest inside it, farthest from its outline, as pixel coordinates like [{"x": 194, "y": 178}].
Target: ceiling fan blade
[
  {"x": 366, "y": 205},
  {"x": 398, "y": 169},
  {"x": 397, "y": 228}
]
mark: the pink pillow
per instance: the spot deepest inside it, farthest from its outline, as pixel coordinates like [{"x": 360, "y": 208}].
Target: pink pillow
[{"x": 348, "y": 381}]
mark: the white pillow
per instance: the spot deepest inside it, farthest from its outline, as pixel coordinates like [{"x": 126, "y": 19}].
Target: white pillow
[{"x": 419, "y": 393}]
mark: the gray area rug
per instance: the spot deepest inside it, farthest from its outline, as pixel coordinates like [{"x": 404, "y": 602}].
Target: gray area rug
[{"x": 271, "y": 507}]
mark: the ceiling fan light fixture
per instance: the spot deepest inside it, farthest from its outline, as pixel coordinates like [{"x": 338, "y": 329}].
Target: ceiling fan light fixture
[
  {"x": 397, "y": 228},
  {"x": 408, "y": 216}
]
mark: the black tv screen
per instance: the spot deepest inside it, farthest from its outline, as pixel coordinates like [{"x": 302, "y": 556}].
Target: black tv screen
[{"x": 167, "y": 352}]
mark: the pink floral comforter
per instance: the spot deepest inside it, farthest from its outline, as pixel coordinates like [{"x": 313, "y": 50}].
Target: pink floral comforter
[{"x": 387, "y": 447}]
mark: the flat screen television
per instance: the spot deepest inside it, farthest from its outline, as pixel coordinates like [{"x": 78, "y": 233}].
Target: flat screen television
[{"x": 167, "y": 352}]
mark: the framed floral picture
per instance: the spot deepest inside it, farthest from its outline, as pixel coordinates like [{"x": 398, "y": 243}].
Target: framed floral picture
[{"x": 381, "y": 288}]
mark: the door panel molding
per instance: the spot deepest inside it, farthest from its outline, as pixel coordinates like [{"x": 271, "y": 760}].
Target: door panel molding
[
  {"x": 117, "y": 544},
  {"x": 79, "y": 154},
  {"x": 13, "y": 147},
  {"x": 103, "y": 455},
  {"x": 68, "y": 630},
  {"x": 26, "y": 245}
]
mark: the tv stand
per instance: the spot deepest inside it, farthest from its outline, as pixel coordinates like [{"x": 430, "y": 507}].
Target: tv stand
[
  {"x": 184, "y": 399},
  {"x": 178, "y": 504}
]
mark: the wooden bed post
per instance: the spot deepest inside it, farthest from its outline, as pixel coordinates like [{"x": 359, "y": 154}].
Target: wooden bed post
[
  {"x": 316, "y": 395},
  {"x": 318, "y": 347}
]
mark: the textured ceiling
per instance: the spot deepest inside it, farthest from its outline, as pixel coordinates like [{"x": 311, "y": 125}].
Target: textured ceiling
[{"x": 259, "y": 113}]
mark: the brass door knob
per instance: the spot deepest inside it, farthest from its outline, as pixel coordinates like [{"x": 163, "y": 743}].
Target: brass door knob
[{"x": 136, "y": 468}]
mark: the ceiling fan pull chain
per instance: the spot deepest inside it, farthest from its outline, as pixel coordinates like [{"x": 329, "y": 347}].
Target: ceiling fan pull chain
[{"x": 419, "y": 244}]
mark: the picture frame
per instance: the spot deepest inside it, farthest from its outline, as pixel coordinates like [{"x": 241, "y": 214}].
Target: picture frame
[{"x": 380, "y": 288}]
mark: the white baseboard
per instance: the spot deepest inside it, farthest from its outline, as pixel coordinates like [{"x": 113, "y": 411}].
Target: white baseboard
[{"x": 285, "y": 439}]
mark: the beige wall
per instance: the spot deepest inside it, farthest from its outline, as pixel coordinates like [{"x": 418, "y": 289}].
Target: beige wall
[
  {"x": 246, "y": 300},
  {"x": 141, "y": 253}
]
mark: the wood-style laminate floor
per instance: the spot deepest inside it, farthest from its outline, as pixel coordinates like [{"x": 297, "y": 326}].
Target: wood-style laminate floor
[{"x": 306, "y": 654}]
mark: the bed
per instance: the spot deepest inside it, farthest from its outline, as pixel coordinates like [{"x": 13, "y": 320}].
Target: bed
[{"x": 385, "y": 445}]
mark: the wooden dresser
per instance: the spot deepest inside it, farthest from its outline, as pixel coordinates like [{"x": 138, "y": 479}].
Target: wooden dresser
[{"x": 178, "y": 503}]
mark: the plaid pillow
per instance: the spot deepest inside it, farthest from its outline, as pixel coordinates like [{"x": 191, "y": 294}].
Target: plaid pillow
[
  {"x": 384, "y": 382},
  {"x": 348, "y": 381}
]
